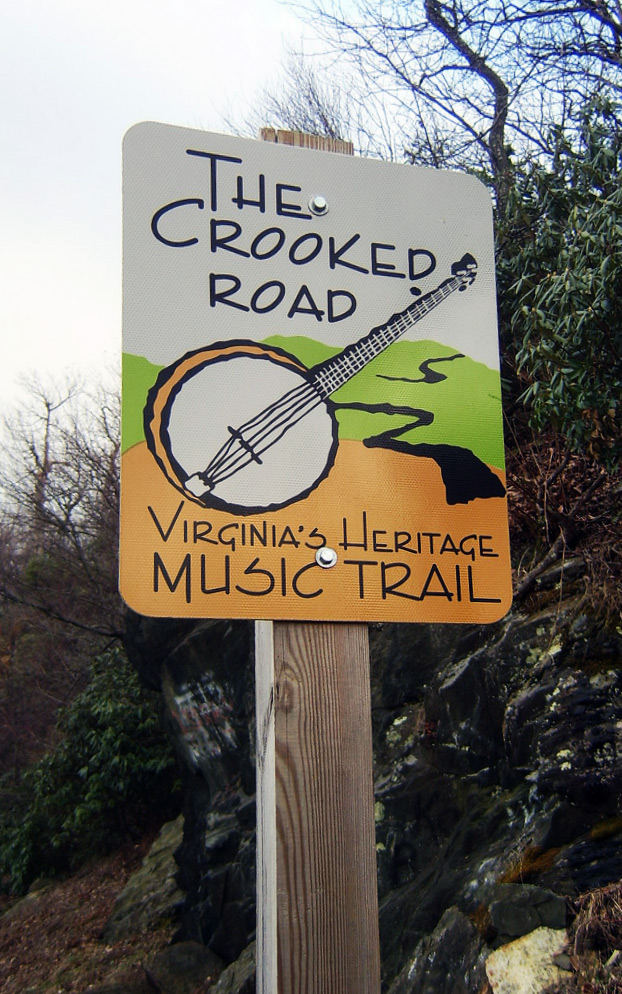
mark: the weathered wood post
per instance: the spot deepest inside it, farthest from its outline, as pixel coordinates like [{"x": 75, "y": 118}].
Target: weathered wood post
[
  {"x": 317, "y": 891},
  {"x": 317, "y": 903}
]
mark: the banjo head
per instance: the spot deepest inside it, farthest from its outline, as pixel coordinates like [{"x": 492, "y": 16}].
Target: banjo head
[{"x": 240, "y": 427}]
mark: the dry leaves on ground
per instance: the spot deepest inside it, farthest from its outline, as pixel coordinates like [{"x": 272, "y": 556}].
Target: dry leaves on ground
[{"x": 51, "y": 941}]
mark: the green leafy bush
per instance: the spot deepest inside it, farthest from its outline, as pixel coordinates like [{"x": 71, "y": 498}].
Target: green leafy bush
[
  {"x": 111, "y": 776},
  {"x": 560, "y": 276}
]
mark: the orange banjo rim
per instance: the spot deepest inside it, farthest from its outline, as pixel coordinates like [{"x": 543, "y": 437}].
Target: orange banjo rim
[{"x": 170, "y": 380}]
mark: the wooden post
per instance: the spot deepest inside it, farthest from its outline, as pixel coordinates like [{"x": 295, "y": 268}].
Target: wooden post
[
  {"x": 317, "y": 918},
  {"x": 317, "y": 891},
  {"x": 302, "y": 140}
]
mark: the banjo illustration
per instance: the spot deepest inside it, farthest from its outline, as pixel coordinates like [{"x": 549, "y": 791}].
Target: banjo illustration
[{"x": 245, "y": 427}]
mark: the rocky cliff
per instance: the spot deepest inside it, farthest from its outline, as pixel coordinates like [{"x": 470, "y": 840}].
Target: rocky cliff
[{"x": 498, "y": 782}]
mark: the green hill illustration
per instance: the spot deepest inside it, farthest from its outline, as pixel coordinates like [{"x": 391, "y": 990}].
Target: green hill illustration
[
  {"x": 462, "y": 396},
  {"x": 447, "y": 399},
  {"x": 139, "y": 375}
]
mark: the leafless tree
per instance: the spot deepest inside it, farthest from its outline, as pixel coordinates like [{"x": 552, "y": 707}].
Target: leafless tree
[
  {"x": 59, "y": 484},
  {"x": 320, "y": 98},
  {"x": 469, "y": 81},
  {"x": 59, "y": 604},
  {"x": 304, "y": 101}
]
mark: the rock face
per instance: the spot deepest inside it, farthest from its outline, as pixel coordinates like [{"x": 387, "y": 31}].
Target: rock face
[
  {"x": 498, "y": 781},
  {"x": 183, "y": 968},
  {"x": 151, "y": 895},
  {"x": 446, "y": 960},
  {"x": 239, "y": 978},
  {"x": 517, "y": 909},
  {"x": 206, "y": 673},
  {"x": 497, "y": 765},
  {"x": 527, "y": 965}
]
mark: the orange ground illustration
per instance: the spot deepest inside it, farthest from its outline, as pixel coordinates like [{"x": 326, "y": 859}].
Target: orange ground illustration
[{"x": 403, "y": 553}]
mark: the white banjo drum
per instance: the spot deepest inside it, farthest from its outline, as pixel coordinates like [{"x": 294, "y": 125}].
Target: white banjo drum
[{"x": 246, "y": 428}]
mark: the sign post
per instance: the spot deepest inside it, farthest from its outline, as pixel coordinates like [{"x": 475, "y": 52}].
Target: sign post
[
  {"x": 312, "y": 433},
  {"x": 317, "y": 893}
]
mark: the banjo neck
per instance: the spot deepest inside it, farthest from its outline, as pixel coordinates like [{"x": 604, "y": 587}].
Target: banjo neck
[
  {"x": 246, "y": 444},
  {"x": 328, "y": 376}
]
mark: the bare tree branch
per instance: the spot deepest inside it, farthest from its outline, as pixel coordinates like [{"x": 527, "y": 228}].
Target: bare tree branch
[{"x": 479, "y": 78}]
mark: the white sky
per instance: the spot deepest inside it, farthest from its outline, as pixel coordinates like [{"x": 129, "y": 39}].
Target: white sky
[{"x": 74, "y": 75}]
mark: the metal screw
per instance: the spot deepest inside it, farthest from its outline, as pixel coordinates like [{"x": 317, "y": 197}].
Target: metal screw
[
  {"x": 318, "y": 204},
  {"x": 325, "y": 557}
]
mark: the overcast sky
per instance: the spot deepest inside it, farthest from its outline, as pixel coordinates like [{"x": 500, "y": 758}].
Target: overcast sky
[{"x": 74, "y": 75}]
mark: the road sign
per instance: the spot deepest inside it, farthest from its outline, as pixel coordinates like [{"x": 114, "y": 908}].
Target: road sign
[{"x": 311, "y": 395}]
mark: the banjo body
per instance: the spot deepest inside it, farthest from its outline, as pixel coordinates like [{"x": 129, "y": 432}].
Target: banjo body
[
  {"x": 225, "y": 386},
  {"x": 245, "y": 427}
]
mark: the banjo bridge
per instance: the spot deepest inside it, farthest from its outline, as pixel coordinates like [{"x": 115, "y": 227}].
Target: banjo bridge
[{"x": 239, "y": 437}]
